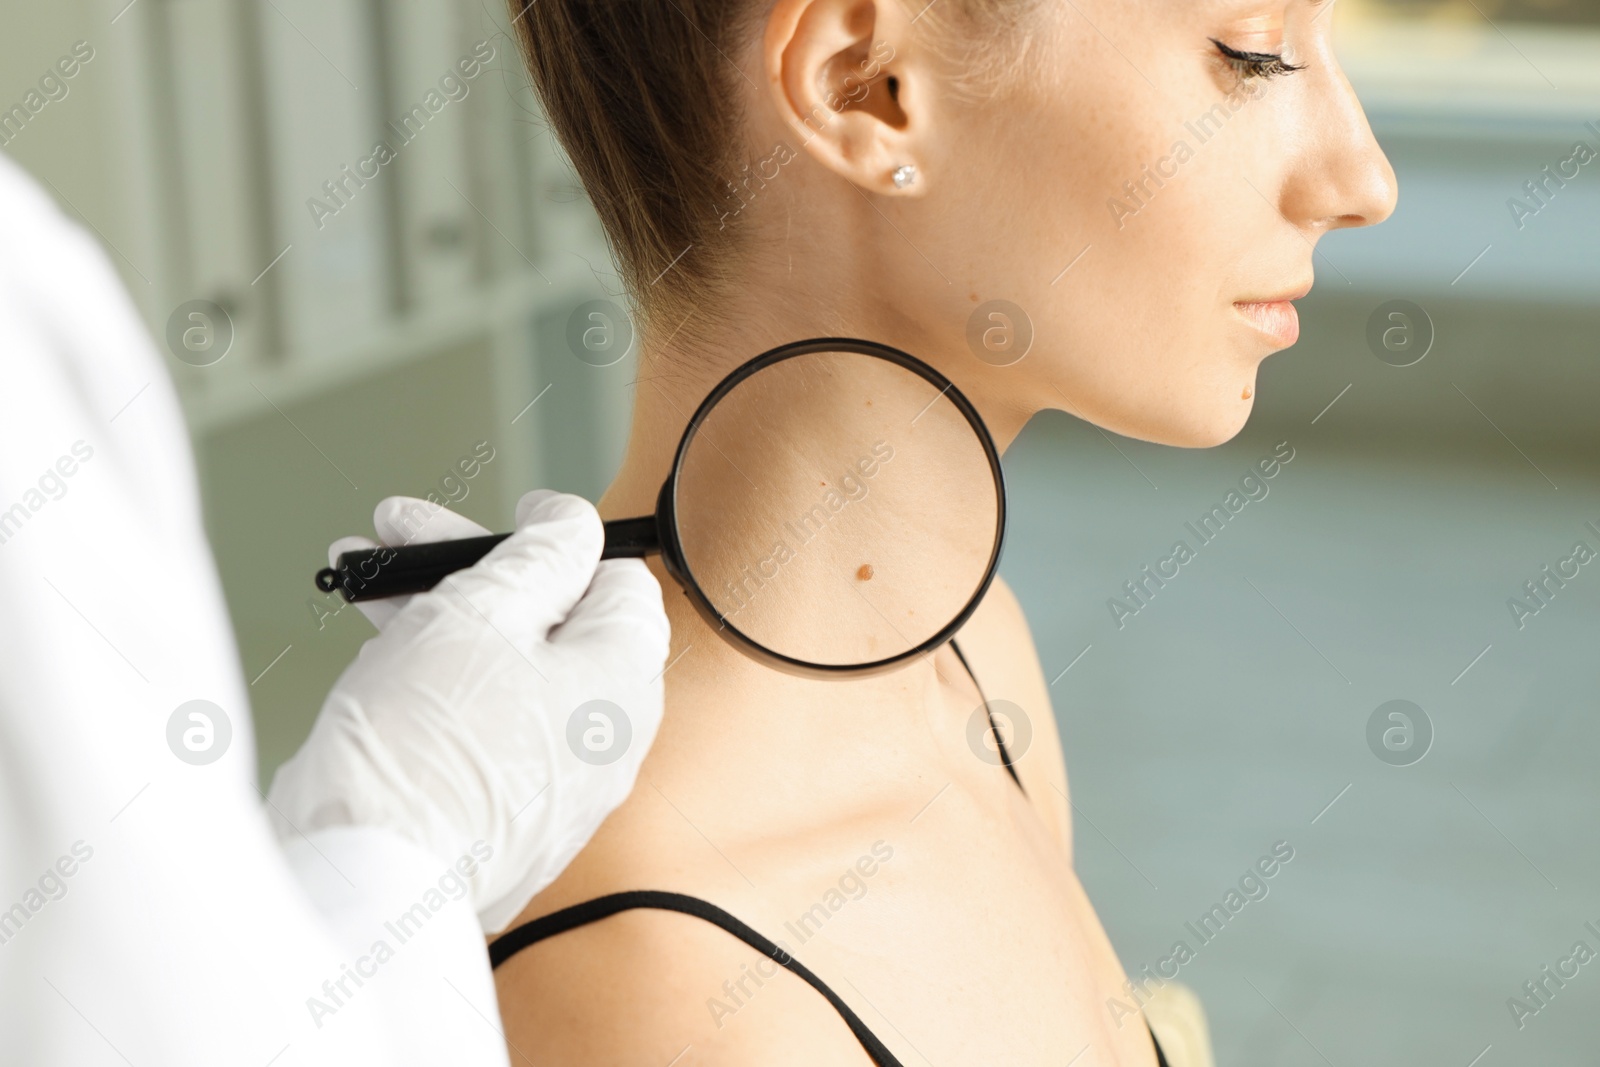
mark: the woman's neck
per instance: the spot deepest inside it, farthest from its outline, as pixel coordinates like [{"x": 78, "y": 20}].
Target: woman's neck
[
  {"x": 813, "y": 722},
  {"x": 682, "y": 361}
]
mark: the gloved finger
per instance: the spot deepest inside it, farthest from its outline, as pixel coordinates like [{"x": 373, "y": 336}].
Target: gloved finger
[
  {"x": 530, "y": 500},
  {"x": 620, "y": 621},
  {"x": 406, "y": 520},
  {"x": 529, "y": 582},
  {"x": 378, "y": 612}
]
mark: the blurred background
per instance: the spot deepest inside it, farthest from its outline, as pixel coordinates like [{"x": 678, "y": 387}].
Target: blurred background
[{"x": 356, "y": 339}]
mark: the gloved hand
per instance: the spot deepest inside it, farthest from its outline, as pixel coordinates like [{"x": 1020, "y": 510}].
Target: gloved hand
[{"x": 511, "y": 705}]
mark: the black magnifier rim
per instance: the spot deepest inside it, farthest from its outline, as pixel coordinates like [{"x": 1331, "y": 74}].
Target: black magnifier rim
[{"x": 672, "y": 545}]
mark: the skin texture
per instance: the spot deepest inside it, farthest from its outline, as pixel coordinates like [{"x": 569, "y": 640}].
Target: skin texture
[{"x": 974, "y": 942}]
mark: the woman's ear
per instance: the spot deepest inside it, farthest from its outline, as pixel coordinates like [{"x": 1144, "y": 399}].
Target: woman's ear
[{"x": 842, "y": 78}]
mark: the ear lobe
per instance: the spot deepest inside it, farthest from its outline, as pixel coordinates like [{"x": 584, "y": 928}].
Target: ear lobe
[{"x": 837, "y": 77}]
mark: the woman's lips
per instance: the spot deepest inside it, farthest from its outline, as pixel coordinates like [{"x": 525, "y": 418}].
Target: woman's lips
[{"x": 1278, "y": 319}]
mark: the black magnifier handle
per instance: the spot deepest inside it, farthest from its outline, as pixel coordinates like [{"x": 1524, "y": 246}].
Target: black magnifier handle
[{"x": 378, "y": 573}]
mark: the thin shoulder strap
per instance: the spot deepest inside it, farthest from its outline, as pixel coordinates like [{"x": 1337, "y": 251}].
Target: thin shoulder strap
[
  {"x": 559, "y": 922},
  {"x": 603, "y": 907},
  {"x": 1000, "y": 742}
]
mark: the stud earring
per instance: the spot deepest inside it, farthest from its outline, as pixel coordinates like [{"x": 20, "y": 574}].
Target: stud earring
[{"x": 903, "y": 175}]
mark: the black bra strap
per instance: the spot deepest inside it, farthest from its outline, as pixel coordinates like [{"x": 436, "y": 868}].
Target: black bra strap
[
  {"x": 589, "y": 911},
  {"x": 559, "y": 922},
  {"x": 603, "y": 907},
  {"x": 1000, "y": 742}
]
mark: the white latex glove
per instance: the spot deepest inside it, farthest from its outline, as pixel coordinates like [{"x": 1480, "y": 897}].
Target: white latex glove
[{"x": 468, "y": 722}]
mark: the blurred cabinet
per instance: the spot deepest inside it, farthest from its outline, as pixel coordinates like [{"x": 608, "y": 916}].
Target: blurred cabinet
[{"x": 358, "y": 185}]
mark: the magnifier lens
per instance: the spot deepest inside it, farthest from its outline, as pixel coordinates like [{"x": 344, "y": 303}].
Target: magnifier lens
[{"x": 837, "y": 509}]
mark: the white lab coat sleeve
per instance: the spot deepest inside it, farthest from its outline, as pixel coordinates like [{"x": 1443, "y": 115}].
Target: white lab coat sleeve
[
  {"x": 404, "y": 922},
  {"x": 147, "y": 914}
]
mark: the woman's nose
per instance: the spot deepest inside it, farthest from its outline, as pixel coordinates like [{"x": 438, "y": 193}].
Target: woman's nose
[{"x": 1342, "y": 179}]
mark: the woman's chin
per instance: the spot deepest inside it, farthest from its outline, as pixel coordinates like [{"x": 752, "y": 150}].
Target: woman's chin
[
  {"x": 1192, "y": 414},
  {"x": 1204, "y": 426}
]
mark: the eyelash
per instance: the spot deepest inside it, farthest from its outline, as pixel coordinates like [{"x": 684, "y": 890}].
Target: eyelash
[{"x": 1249, "y": 65}]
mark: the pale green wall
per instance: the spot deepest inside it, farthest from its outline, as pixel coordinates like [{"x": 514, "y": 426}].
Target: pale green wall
[{"x": 274, "y": 503}]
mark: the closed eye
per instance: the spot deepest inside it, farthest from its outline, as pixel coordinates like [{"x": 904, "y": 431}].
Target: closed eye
[{"x": 1255, "y": 64}]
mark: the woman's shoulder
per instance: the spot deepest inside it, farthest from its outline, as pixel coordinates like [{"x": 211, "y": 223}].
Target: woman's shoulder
[
  {"x": 651, "y": 986},
  {"x": 998, "y": 643}
]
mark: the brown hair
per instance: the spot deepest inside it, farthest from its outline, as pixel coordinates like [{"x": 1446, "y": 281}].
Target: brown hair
[{"x": 642, "y": 95}]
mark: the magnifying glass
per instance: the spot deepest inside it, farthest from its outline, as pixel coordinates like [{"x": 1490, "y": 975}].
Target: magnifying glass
[{"x": 835, "y": 508}]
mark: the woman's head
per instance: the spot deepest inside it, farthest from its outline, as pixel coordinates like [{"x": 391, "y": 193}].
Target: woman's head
[{"x": 1136, "y": 183}]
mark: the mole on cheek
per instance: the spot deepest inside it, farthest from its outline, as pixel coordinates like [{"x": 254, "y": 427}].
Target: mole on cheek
[{"x": 865, "y": 573}]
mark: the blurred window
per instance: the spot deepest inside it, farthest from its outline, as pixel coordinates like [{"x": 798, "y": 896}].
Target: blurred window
[{"x": 1579, "y": 12}]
